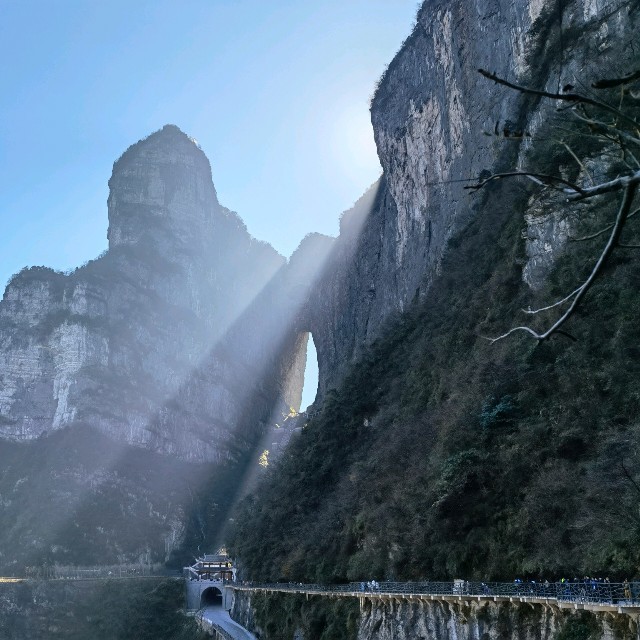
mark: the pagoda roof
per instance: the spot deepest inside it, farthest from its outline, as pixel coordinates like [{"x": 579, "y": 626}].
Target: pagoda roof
[{"x": 214, "y": 557}]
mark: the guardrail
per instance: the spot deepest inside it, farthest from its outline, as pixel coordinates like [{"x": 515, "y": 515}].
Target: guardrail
[
  {"x": 592, "y": 591},
  {"x": 99, "y": 572},
  {"x": 222, "y": 633}
]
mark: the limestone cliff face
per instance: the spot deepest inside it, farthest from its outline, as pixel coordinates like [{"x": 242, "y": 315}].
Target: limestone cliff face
[
  {"x": 130, "y": 391},
  {"x": 406, "y": 620},
  {"x": 111, "y": 344},
  {"x": 434, "y": 114},
  {"x": 435, "y": 118}
]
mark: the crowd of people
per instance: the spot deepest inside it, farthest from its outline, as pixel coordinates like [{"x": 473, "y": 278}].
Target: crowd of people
[
  {"x": 587, "y": 586},
  {"x": 588, "y": 589}
]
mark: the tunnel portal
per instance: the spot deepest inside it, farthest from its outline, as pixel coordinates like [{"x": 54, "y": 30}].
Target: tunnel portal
[{"x": 211, "y": 597}]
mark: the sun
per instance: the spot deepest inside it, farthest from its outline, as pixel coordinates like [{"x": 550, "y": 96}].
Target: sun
[{"x": 353, "y": 146}]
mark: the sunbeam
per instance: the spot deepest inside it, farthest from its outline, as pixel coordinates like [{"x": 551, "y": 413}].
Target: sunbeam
[{"x": 313, "y": 266}]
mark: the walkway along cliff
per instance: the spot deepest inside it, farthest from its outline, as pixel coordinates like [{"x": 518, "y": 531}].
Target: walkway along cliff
[{"x": 462, "y": 609}]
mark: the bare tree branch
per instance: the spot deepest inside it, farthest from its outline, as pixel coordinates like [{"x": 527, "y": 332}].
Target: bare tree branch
[
  {"x": 506, "y": 335},
  {"x": 604, "y": 230},
  {"x": 622, "y": 182},
  {"x": 627, "y": 152},
  {"x": 616, "y": 82},
  {"x": 580, "y": 164},
  {"x": 619, "y": 134},
  {"x": 542, "y": 179},
  {"x": 607, "y": 126},
  {"x": 628, "y": 475},
  {"x": 593, "y": 235},
  {"x": 576, "y": 98}
]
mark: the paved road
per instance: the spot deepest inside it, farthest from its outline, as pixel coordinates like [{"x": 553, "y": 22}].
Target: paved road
[{"x": 219, "y": 616}]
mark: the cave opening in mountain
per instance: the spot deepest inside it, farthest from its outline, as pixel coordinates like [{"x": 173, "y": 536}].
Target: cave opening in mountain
[
  {"x": 310, "y": 383},
  {"x": 211, "y": 597}
]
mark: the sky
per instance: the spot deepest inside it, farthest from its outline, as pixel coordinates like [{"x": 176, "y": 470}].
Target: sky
[{"x": 275, "y": 91}]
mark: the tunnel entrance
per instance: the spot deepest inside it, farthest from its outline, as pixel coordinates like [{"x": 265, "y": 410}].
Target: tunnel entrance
[
  {"x": 211, "y": 597},
  {"x": 310, "y": 380}
]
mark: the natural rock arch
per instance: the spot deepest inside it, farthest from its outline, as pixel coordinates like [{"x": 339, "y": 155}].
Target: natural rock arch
[{"x": 312, "y": 363}]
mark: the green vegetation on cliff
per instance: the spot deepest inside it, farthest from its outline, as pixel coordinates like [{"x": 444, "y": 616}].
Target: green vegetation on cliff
[
  {"x": 133, "y": 609},
  {"x": 443, "y": 455},
  {"x": 319, "y": 618}
]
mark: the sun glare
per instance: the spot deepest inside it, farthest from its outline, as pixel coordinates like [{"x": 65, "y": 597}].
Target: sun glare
[{"x": 352, "y": 144}]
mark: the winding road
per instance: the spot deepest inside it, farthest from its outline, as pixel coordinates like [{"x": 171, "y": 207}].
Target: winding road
[{"x": 220, "y": 618}]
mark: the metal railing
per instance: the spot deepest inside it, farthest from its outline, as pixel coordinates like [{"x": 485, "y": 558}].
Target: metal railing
[
  {"x": 99, "y": 572},
  {"x": 221, "y": 632},
  {"x": 586, "y": 591}
]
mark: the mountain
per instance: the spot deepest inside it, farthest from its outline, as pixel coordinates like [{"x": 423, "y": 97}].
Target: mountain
[
  {"x": 139, "y": 392},
  {"x": 132, "y": 383},
  {"x": 111, "y": 343}
]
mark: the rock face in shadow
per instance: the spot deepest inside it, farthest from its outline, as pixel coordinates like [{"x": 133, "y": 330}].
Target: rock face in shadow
[
  {"x": 97, "y": 609},
  {"x": 409, "y": 620},
  {"x": 414, "y": 619}
]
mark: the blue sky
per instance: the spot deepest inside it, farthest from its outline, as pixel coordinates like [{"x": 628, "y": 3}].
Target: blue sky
[{"x": 275, "y": 91}]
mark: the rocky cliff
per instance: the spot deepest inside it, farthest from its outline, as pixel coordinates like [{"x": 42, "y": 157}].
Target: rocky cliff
[
  {"x": 111, "y": 343},
  {"x": 435, "y": 452},
  {"x": 405, "y": 620},
  {"x": 438, "y": 126}
]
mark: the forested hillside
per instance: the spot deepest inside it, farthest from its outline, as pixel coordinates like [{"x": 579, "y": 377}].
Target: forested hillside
[{"x": 444, "y": 454}]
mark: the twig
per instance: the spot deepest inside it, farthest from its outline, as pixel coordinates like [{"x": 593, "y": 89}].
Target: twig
[
  {"x": 623, "y": 213},
  {"x": 531, "y": 311},
  {"x": 616, "y": 82},
  {"x": 605, "y": 125},
  {"x": 580, "y": 164},
  {"x": 599, "y": 233},
  {"x": 622, "y": 182},
  {"x": 593, "y": 235},
  {"x": 626, "y": 151},
  {"x": 566, "y": 334},
  {"x": 506, "y": 335},
  {"x": 629, "y": 476}
]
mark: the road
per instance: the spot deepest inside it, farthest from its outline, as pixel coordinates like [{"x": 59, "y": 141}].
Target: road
[{"x": 218, "y": 616}]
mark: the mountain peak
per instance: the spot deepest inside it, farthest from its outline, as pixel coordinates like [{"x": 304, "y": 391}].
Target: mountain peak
[{"x": 165, "y": 176}]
